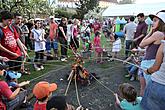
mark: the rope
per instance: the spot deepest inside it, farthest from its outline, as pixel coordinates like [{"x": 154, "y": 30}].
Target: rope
[
  {"x": 78, "y": 100},
  {"x": 104, "y": 85},
  {"x": 68, "y": 86}
]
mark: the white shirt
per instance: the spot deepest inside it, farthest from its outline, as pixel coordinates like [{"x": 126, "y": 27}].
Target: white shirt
[{"x": 38, "y": 35}]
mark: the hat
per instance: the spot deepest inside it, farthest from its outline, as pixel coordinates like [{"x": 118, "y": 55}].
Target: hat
[
  {"x": 51, "y": 17},
  {"x": 160, "y": 15},
  {"x": 13, "y": 75},
  {"x": 57, "y": 102},
  {"x": 43, "y": 89},
  {"x": 3, "y": 66}
]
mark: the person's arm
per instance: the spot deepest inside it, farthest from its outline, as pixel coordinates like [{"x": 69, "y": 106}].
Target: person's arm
[
  {"x": 5, "y": 59},
  {"x": 21, "y": 46},
  {"x": 117, "y": 99},
  {"x": 2, "y": 48},
  {"x": 158, "y": 61},
  {"x": 14, "y": 94}
]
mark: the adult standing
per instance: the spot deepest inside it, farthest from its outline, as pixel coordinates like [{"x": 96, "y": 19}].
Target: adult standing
[
  {"x": 53, "y": 36},
  {"x": 10, "y": 44},
  {"x": 154, "y": 97},
  {"x": 141, "y": 30},
  {"x": 129, "y": 30},
  {"x": 152, "y": 41},
  {"x": 62, "y": 36}
]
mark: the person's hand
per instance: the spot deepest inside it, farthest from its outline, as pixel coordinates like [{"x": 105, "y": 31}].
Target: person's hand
[
  {"x": 5, "y": 59},
  {"x": 124, "y": 62},
  {"x": 80, "y": 108},
  {"x": 135, "y": 40},
  {"x": 14, "y": 54},
  {"x": 116, "y": 95},
  {"x": 24, "y": 54},
  {"x": 25, "y": 48}
]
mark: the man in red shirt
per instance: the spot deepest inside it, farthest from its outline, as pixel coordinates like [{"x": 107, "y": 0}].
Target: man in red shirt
[
  {"x": 10, "y": 44},
  {"x": 53, "y": 36}
]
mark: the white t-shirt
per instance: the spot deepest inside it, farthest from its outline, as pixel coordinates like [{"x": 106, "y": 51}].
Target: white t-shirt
[{"x": 38, "y": 35}]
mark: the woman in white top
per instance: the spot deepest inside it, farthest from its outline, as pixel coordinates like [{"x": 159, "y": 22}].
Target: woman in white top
[{"x": 37, "y": 35}]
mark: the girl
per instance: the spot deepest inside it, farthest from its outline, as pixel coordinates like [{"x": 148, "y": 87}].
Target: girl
[
  {"x": 152, "y": 42},
  {"x": 74, "y": 39},
  {"x": 97, "y": 46},
  {"x": 37, "y": 35},
  {"x": 116, "y": 45},
  {"x": 130, "y": 101}
]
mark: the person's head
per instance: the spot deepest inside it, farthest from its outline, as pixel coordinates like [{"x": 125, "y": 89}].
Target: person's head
[
  {"x": 69, "y": 21},
  {"x": 63, "y": 21},
  {"x": 18, "y": 18},
  {"x": 37, "y": 24},
  {"x": 6, "y": 17},
  {"x": 57, "y": 103},
  {"x": 43, "y": 90},
  {"x": 140, "y": 17},
  {"x": 51, "y": 19},
  {"x": 132, "y": 18},
  {"x": 76, "y": 22},
  {"x": 128, "y": 92},
  {"x": 158, "y": 21}
]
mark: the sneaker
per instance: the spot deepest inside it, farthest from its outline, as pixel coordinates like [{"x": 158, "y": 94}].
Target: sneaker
[
  {"x": 132, "y": 78},
  {"x": 63, "y": 60},
  {"x": 41, "y": 67},
  {"x": 36, "y": 67},
  {"x": 127, "y": 76}
]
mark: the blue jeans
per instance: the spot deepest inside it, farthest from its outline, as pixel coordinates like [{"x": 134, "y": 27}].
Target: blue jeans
[
  {"x": 154, "y": 97},
  {"x": 50, "y": 45},
  {"x": 132, "y": 69}
]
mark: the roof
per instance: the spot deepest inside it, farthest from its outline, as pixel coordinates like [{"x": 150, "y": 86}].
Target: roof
[
  {"x": 112, "y": 1},
  {"x": 133, "y": 9}
]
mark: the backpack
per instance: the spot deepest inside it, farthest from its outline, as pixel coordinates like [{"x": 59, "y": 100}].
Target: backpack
[{"x": 1, "y": 32}]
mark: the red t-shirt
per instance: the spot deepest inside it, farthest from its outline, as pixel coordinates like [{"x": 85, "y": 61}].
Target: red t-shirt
[
  {"x": 9, "y": 42},
  {"x": 53, "y": 29},
  {"x": 5, "y": 92},
  {"x": 38, "y": 106}
]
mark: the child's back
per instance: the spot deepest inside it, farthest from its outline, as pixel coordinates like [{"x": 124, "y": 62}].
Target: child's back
[{"x": 125, "y": 105}]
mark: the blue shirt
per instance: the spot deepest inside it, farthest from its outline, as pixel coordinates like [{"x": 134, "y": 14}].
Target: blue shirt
[{"x": 125, "y": 105}]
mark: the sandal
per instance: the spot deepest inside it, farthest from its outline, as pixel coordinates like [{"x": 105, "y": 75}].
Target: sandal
[{"x": 26, "y": 71}]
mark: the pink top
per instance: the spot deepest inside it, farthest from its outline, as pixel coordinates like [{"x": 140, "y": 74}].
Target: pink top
[
  {"x": 97, "y": 42},
  {"x": 75, "y": 31},
  {"x": 53, "y": 28}
]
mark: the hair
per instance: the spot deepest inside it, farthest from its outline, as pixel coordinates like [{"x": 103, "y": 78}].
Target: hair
[
  {"x": 16, "y": 14},
  {"x": 132, "y": 18},
  {"x": 62, "y": 19},
  {"x": 69, "y": 21},
  {"x": 35, "y": 23},
  {"x": 5, "y": 15},
  {"x": 128, "y": 92},
  {"x": 97, "y": 33},
  {"x": 161, "y": 26},
  {"x": 141, "y": 15}
]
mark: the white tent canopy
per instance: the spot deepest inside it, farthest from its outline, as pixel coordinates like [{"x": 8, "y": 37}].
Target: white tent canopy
[{"x": 133, "y": 9}]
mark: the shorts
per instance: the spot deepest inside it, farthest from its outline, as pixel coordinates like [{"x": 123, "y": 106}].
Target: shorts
[{"x": 50, "y": 45}]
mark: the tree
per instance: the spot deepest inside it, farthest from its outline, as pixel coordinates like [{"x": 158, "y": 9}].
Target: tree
[
  {"x": 127, "y": 1},
  {"x": 84, "y": 6}
]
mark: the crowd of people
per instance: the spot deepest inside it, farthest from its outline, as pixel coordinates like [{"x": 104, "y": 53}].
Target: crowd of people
[{"x": 142, "y": 47}]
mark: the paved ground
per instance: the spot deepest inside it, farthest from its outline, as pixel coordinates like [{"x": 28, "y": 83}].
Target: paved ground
[{"x": 94, "y": 96}]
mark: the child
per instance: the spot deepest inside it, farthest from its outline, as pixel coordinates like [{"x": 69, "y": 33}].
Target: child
[
  {"x": 38, "y": 36},
  {"x": 136, "y": 57},
  {"x": 97, "y": 46},
  {"x": 43, "y": 91},
  {"x": 116, "y": 45},
  {"x": 11, "y": 79},
  {"x": 130, "y": 101}
]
